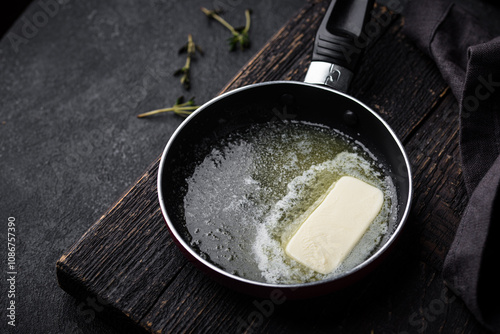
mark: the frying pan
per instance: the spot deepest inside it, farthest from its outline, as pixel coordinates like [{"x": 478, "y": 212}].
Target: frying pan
[{"x": 321, "y": 99}]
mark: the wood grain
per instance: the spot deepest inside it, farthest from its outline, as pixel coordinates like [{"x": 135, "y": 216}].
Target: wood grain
[{"x": 129, "y": 261}]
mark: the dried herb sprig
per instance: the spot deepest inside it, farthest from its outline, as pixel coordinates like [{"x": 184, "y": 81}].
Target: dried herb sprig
[
  {"x": 190, "y": 48},
  {"x": 239, "y": 35},
  {"x": 180, "y": 108}
]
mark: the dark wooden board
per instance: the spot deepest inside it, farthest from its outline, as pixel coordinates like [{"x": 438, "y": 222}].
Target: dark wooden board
[{"x": 128, "y": 260}]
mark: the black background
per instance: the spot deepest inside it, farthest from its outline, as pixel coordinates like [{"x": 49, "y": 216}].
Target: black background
[{"x": 11, "y": 10}]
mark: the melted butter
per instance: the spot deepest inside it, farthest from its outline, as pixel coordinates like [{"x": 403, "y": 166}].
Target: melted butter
[{"x": 248, "y": 196}]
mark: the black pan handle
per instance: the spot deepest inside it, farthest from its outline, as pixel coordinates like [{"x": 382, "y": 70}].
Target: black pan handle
[{"x": 336, "y": 47}]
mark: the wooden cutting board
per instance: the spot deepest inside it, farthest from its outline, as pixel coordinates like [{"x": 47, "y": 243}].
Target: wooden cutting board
[{"x": 127, "y": 264}]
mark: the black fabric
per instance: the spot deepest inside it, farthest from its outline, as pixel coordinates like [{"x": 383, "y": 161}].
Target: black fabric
[{"x": 468, "y": 57}]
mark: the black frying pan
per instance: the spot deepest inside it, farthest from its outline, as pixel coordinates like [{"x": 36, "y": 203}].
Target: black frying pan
[{"x": 319, "y": 100}]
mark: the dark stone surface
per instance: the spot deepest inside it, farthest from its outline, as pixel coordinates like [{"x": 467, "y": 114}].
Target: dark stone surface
[
  {"x": 73, "y": 78},
  {"x": 70, "y": 143}
]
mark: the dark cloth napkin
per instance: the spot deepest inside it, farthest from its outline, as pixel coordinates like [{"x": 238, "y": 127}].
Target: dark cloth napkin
[{"x": 468, "y": 58}]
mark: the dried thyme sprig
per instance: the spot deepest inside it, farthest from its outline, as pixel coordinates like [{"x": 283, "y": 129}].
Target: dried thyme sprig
[
  {"x": 190, "y": 48},
  {"x": 240, "y": 35},
  {"x": 180, "y": 108}
]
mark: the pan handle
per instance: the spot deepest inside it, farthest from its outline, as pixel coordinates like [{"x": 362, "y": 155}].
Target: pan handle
[{"x": 336, "y": 54}]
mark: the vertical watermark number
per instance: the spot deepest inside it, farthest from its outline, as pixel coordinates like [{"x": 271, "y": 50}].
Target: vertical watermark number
[{"x": 11, "y": 271}]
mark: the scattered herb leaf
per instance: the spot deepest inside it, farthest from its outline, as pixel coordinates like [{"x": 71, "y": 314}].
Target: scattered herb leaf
[
  {"x": 180, "y": 108},
  {"x": 190, "y": 48}
]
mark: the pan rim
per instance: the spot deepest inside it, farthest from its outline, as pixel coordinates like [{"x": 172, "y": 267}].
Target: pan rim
[{"x": 383, "y": 249}]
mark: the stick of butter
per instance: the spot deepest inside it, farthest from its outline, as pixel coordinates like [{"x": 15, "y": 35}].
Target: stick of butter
[{"x": 332, "y": 230}]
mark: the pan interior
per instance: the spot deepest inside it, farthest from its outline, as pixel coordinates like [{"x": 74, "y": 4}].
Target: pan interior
[{"x": 252, "y": 113}]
